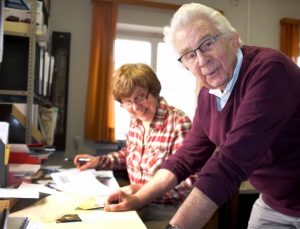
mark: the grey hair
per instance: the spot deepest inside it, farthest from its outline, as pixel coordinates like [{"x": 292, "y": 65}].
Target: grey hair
[{"x": 191, "y": 12}]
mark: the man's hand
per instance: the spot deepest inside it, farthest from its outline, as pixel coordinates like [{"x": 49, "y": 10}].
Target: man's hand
[
  {"x": 121, "y": 201},
  {"x": 131, "y": 189}
]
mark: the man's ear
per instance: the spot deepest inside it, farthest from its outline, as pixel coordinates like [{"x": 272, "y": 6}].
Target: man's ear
[{"x": 234, "y": 39}]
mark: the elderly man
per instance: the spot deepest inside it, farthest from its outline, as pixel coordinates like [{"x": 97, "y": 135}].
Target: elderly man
[{"x": 249, "y": 110}]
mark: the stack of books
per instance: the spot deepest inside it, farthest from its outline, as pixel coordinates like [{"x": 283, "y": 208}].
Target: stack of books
[{"x": 29, "y": 154}]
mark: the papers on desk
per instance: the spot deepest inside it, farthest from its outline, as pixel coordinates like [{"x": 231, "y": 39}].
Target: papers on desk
[
  {"x": 21, "y": 170},
  {"x": 18, "y": 193},
  {"x": 26, "y": 190},
  {"x": 39, "y": 188},
  {"x": 81, "y": 182}
]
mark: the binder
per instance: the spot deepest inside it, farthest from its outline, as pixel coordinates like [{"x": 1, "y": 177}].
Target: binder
[
  {"x": 4, "y": 158},
  {"x": 18, "y": 222},
  {"x": 3, "y": 219}
]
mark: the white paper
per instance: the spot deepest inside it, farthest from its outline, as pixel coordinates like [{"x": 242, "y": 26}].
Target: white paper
[
  {"x": 24, "y": 168},
  {"x": 37, "y": 188},
  {"x": 4, "y": 127},
  {"x": 80, "y": 182},
  {"x": 18, "y": 193},
  {"x": 19, "y": 147}
]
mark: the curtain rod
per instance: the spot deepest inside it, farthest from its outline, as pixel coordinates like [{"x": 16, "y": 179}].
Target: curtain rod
[
  {"x": 152, "y": 4},
  {"x": 290, "y": 21}
]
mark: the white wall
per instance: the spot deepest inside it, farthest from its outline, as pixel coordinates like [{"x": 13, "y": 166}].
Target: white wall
[{"x": 256, "y": 20}]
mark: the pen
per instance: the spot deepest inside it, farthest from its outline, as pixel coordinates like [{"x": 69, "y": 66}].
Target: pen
[
  {"x": 84, "y": 159},
  {"x": 80, "y": 159}
]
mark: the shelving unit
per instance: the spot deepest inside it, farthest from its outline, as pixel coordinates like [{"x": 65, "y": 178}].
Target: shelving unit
[
  {"x": 28, "y": 94},
  {"x": 31, "y": 71}
]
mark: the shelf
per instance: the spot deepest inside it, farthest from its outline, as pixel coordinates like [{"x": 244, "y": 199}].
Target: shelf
[
  {"x": 12, "y": 92},
  {"x": 21, "y": 29},
  {"x": 19, "y": 97},
  {"x": 23, "y": 40}
]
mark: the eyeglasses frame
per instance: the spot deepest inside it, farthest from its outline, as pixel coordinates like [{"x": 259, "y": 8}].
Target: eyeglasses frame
[
  {"x": 214, "y": 37},
  {"x": 134, "y": 102}
]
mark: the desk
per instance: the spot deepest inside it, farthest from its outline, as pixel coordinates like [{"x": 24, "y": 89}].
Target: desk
[{"x": 48, "y": 209}]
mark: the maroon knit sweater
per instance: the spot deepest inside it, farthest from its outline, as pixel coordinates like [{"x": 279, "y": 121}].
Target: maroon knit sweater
[{"x": 257, "y": 134}]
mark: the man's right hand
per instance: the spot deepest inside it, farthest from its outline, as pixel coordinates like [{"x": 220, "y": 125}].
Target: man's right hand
[{"x": 120, "y": 201}]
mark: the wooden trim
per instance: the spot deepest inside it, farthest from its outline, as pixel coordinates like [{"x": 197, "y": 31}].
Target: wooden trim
[
  {"x": 289, "y": 21},
  {"x": 152, "y": 4}
]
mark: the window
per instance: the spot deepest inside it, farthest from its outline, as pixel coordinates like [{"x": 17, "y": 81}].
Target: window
[
  {"x": 128, "y": 51},
  {"x": 151, "y": 50}
]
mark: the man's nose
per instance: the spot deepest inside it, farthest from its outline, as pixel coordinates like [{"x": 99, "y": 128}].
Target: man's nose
[{"x": 202, "y": 58}]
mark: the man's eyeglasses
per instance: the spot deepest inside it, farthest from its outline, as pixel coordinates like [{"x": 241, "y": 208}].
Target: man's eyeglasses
[
  {"x": 207, "y": 45},
  {"x": 139, "y": 99}
]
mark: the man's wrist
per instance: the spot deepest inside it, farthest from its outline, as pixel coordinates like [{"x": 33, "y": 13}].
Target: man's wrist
[{"x": 170, "y": 226}]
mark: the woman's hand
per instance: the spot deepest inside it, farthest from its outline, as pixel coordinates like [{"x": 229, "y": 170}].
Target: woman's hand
[{"x": 86, "y": 161}]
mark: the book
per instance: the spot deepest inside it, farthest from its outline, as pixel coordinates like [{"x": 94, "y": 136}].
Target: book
[
  {"x": 23, "y": 158},
  {"x": 17, "y": 222},
  {"x": 29, "y": 154},
  {"x": 4, "y": 158},
  {"x": 1, "y": 30},
  {"x": 3, "y": 218}
]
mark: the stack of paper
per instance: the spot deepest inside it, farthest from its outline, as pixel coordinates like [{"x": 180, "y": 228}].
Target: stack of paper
[{"x": 81, "y": 182}]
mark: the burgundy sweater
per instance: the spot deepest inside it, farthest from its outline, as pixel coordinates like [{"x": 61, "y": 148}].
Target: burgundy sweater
[{"x": 257, "y": 134}]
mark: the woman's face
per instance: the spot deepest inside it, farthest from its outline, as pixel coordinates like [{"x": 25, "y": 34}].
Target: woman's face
[{"x": 141, "y": 104}]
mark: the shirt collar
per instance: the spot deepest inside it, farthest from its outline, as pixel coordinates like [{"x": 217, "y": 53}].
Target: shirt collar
[{"x": 229, "y": 87}]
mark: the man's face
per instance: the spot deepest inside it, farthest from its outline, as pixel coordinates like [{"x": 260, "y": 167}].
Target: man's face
[{"x": 215, "y": 66}]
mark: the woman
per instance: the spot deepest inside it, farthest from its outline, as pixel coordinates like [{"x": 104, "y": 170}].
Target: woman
[{"x": 156, "y": 132}]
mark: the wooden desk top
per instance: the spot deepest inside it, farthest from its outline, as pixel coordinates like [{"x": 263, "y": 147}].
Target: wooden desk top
[{"x": 45, "y": 211}]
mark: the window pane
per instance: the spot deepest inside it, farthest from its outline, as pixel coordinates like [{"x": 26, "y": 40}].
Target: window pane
[
  {"x": 128, "y": 51},
  {"x": 132, "y": 51},
  {"x": 178, "y": 84}
]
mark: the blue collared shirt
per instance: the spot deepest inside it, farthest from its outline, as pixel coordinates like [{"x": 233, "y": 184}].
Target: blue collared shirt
[{"x": 222, "y": 97}]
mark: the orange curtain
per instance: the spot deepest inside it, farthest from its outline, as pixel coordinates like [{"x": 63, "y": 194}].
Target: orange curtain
[
  {"x": 289, "y": 37},
  {"x": 99, "y": 106},
  {"x": 99, "y": 118}
]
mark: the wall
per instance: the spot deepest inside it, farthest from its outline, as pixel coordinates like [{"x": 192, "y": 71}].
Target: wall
[{"x": 256, "y": 20}]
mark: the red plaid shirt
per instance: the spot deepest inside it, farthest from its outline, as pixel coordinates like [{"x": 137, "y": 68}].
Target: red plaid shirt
[{"x": 143, "y": 158}]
